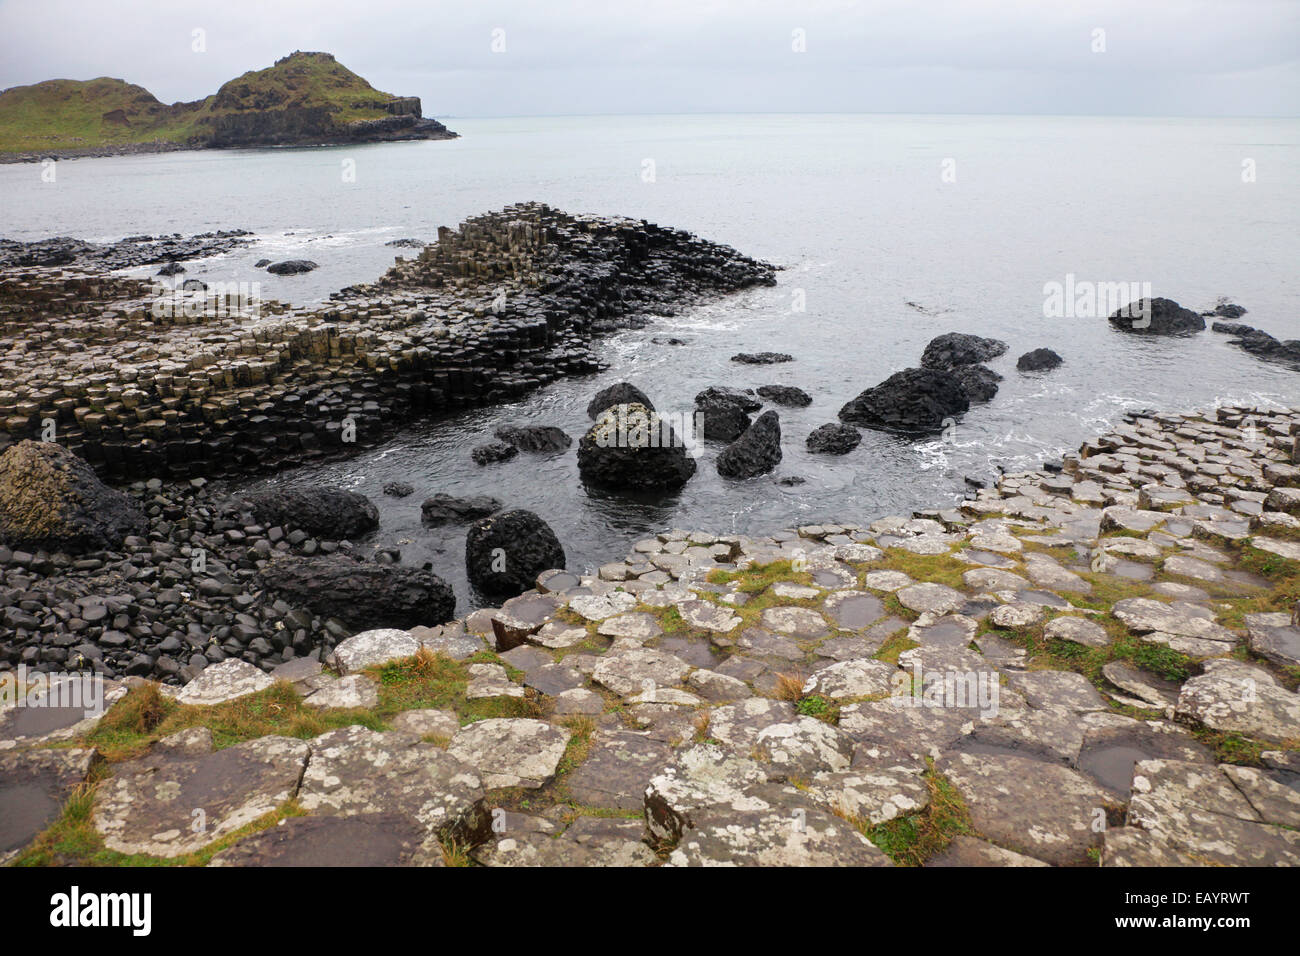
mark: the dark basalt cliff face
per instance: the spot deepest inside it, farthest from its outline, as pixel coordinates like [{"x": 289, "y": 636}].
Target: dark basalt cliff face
[{"x": 316, "y": 125}]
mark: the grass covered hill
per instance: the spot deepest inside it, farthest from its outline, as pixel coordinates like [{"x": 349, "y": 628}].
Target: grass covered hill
[{"x": 304, "y": 99}]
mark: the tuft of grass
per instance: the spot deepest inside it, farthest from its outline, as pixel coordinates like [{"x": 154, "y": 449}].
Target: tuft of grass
[
  {"x": 788, "y": 687},
  {"x": 913, "y": 838}
]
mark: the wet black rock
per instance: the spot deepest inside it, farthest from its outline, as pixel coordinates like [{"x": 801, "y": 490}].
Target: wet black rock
[
  {"x": 754, "y": 453},
  {"x": 261, "y": 263},
  {"x": 620, "y": 393},
  {"x": 51, "y": 499},
  {"x": 630, "y": 448},
  {"x": 362, "y": 594},
  {"x": 833, "y": 439},
  {"x": 291, "y": 267},
  {"x": 323, "y": 512},
  {"x": 742, "y": 398},
  {"x": 1039, "y": 360},
  {"x": 406, "y": 243},
  {"x": 959, "y": 348},
  {"x": 399, "y": 489},
  {"x": 493, "y": 452},
  {"x": 913, "y": 401},
  {"x": 762, "y": 358},
  {"x": 979, "y": 382},
  {"x": 1260, "y": 344},
  {"x": 1226, "y": 310},
  {"x": 171, "y": 269},
  {"x": 538, "y": 439},
  {"x": 128, "y": 253},
  {"x": 504, "y": 553},
  {"x": 791, "y": 481},
  {"x": 786, "y": 395},
  {"x": 445, "y": 509},
  {"x": 667, "y": 340},
  {"x": 720, "y": 419},
  {"x": 1156, "y": 317}
]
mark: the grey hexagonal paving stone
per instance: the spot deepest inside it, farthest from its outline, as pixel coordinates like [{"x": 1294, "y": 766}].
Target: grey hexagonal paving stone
[
  {"x": 150, "y": 804},
  {"x": 1034, "y": 807},
  {"x": 760, "y": 642},
  {"x": 708, "y": 616},
  {"x": 427, "y": 722},
  {"x": 631, "y": 671},
  {"x": 875, "y": 795},
  {"x": 355, "y": 690},
  {"x": 373, "y": 649},
  {"x": 1240, "y": 698},
  {"x": 1064, "y": 689},
  {"x": 702, "y": 782},
  {"x": 971, "y": 851},
  {"x": 66, "y": 706},
  {"x": 930, "y": 597},
  {"x": 373, "y": 839},
  {"x": 511, "y": 751},
  {"x": 33, "y": 787},
  {"x": 637, "y": 625},
  {"x": 1275, "y": 637},
  {"x": 776, "y": 827},
  {"x": 737, "y": 725},
  {"x": 853, "y": 610},
  {"x": 618, "y": 767},
  {"x": 1273, "y": 794},
  {"x": 1195, "y": 809},
  {"x": 224, "y": 681},
  {"x": 355, "y": 771},
  {"x": 1143, "y": 616},
  {"x": 853, "y": 678},
  {"x": 802, "y": 747},
  {"x": 1076, "y": 630}
]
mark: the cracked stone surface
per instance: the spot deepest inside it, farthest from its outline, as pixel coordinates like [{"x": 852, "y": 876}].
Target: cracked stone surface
[
  {"x": 150, "y": 804},
  {"x": 223, "y": 681},
  {"x": 511, "y": 752},
  {"x": 354, "y": 771},
  {"x": 374, "y": 648},
  {"x": 33, "y": 786}
]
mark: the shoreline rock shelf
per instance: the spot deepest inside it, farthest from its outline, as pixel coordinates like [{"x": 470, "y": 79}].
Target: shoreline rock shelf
[
  {"x": 1112, "y": 641},
  {"x": 211, "y": 384}
]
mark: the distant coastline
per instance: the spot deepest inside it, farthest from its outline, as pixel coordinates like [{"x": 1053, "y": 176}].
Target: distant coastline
[{"x": 304, "y": 99}]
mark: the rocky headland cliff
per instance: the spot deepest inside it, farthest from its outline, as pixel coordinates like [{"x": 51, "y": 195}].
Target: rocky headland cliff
[{"x": 304, "y": 99}]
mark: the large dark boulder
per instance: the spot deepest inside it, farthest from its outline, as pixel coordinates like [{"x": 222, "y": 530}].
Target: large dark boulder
[
  {"x": 833, "y": 438},
  {"x": 493, "y": 452},
  {"x": 445, "y": 509},
  {"x": 979, "y": 381},
  {"x": 1039, "y": 360},
  {"x": 721, "y": 420},
  {"x": 742, "y": 398},
  {"x": 630, "y": 448},
  {"x": 50, "y": 499},
  {"x": 1157, "y": 317},
  {"x": 915, "y": 400},
  {"x": 323, "y": 512},
  {"x": 754, "y": 453},
  {"x": 762, "y": 358},
  {"x": 786, "y": 395},
  {"x": 291, "y": 267},
  {"x": 538, "y": 439},
  {"x": 505, "y": 552},
  {"x": 620, "y": 393},
  {"x": 959, "y": 348},
  {"x": 362, "y": 594}
]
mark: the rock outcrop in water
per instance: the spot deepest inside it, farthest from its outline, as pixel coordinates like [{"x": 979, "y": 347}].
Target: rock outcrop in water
[
  {"x": 1157, "y": 317},
  {"x": 915, "y": 400},
  {"x": 1259, "y": 343},
  {"x": 505, "y": 552},
  {"x": 631, "y": 448},
  {"x": 754, "y": 453},
  {"x": 212, "y": 384}
]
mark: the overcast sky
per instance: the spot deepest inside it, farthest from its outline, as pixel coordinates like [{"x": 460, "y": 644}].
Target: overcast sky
[{"x": 1174, "y": 57}]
